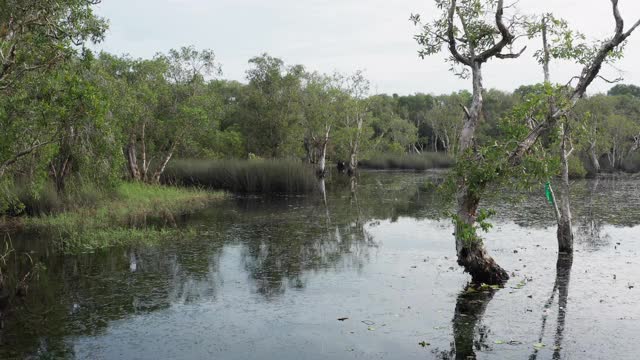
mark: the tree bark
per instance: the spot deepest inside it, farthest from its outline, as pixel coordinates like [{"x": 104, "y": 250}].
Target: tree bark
[
  {"x": 160, "y": 170},
  {"x": 132, "y": 160},
  {"x": 353, "y": 156},
  {"x": 145, "y": 164},
  {"x": 472, "y": 255},
  {"x": 593, "y": 156},
  {"x": 565, "y": 229},
  {"x": 321, "y": 170}
]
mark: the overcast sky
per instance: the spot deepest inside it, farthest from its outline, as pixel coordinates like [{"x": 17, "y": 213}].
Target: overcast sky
[{"x": 345, "y": 35}]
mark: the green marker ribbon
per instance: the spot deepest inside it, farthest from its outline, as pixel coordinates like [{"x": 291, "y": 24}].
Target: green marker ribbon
[{"x": 547, "y": 192}]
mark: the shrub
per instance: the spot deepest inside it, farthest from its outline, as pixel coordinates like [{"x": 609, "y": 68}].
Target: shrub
[
  {"x": 576, "y": 168},
  {"x": 244, "y": 176},
  {"x": 632, "y": 163},
  {"x": 408, "y": 162}
]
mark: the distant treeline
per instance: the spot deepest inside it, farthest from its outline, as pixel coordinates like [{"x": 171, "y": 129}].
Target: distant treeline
[{"x": 67, "y": 114}]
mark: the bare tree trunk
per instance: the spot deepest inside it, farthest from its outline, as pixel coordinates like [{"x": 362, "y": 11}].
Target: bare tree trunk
[
  {"x": 565, "y": 230},
  {"x": 470, "y": 250},
  {"x": 594, "y": 157},
  {"x": 321, "y": 170},
  {"x": 145, "y": 165},
  {"x": 353, "y": 156},
  {"x": 546, "y": 55},
  {"x": 132, "y": 160},
  {"x": 160, "y": 170}
]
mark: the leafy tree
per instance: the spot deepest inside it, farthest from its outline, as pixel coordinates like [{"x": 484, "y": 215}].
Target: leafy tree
[
  {"x": 321, "y": 97},
  {"x": 471, "y": 41},
  {"x": 36, "y": 34},
  {"x": 355, "y": 119},
  {"x": 622, "y": 89},
  {"x": 272, "y": 107}
]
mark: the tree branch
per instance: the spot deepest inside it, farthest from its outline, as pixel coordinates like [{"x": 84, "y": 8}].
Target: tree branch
[
  {"x": 589, "y": 73},
  {"x": 451, "y": 37},
  {"x": 511, "y": 55},
  {"x": 507, "y": 37}
]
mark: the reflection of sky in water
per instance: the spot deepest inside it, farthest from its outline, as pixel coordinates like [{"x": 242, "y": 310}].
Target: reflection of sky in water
[{"x": 269, "y": 279}]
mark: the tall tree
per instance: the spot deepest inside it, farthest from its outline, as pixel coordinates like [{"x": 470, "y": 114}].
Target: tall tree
[
  {"x": 35, "y": 35},
  {"x": 272, "y": 107},
  {"x": 320, "y": 103},
  {"x": 355, "y": 117},
  {"x": 479, "y": 166},
  {"x": 471, "y": 41}
]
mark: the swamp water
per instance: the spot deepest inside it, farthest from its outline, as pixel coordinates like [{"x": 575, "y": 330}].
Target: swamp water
[{"x": 370, "y": 276}]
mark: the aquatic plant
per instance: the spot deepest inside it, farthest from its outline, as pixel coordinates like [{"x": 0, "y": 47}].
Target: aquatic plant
[{"x": 244, "y": 176}]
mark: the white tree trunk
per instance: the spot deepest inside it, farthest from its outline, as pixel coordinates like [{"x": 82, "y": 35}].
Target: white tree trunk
[{"x": 565, "y": 228}]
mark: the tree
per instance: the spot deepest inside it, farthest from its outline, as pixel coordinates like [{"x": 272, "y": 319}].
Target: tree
[
  {"x": 35, "y": 35},
  {"x": 355, "y": 117},
  {"x": 320, "y": 102},
  {"x": 185, "y": 108},
  {"x": 445, "y": 120},
  {"x": 162, "y": 104},
  {"x": 622, "y": 89},
  {"x": 482, "y": 165},
  {"x": 560, "y": 105},
  {"x": 471, "y": 42},
  {"x": 272, "y": 107}
]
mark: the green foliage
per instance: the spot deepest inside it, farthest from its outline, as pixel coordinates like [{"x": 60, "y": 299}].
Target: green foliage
[
  {"x": 622, "y": 89},
  {"x": 469, "y": 232},
  {"x": 576, "y": 168},
  {"x": 473, "y": 28},
  {"x": 272, "y": 111},
  {"x": 135, "y": 213},
  {"x": 36, "y": 34}
]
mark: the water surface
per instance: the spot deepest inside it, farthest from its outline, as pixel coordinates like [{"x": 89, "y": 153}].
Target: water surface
[{"x": 270, "y": 278}]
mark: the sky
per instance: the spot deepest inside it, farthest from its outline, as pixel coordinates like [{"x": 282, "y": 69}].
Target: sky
[{"x": 348, "y": 35}]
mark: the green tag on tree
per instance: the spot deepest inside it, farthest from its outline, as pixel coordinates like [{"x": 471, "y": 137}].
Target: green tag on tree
[{"x": 547, "y": 191}]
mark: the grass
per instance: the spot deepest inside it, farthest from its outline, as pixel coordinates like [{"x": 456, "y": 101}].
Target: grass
[
  {"x": 419, "y": 162},
  {"x": 136, "y": 213},
  {"x": 244, "y": 176}
]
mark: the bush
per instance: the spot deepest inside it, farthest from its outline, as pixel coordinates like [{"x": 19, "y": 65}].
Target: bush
[
  {"x": 632, "y": 163},
  {"x": 576, "y": 168},
  {"x": 408, "y": 162},
  {"x": 37, "y": 200},
  {"x": 244, "y": 176}
]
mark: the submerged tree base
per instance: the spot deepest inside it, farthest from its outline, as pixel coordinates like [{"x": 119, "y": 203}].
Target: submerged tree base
[{"x": 481, "y": 266}]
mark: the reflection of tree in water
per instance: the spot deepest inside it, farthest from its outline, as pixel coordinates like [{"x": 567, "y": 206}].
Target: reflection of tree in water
[
  {"x": 325, "y": 232},
  {"x": 80, "y": 295},
  {"x": 561, "y": 287},
  {"x": 318, "y": 235},
  {"x": 469, "y": 334},
  {"x": 590, "y": 223}
]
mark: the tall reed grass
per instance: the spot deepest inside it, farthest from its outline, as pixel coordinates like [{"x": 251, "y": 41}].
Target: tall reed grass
[
  {"x": 244, "y": 176},
  {"x": 419, "y": 162}
]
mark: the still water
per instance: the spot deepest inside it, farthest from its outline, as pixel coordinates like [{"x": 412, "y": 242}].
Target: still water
[{"x": 370, "y": 275}]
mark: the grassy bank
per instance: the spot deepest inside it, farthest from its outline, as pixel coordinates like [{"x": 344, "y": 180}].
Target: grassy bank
[
  {"x": 244, "y": 176},
  {"x": 136, "y": 213},
  {"x": 417, "y": 162}
]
